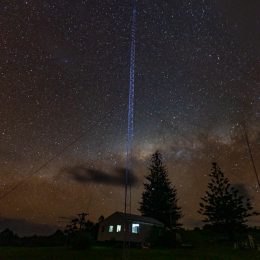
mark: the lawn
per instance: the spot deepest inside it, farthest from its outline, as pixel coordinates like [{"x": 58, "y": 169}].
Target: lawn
[{"x": 100, "y": 253}]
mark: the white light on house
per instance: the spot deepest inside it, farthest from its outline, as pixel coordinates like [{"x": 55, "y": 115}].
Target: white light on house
[
  {"x": 118, "y": 228},
  {"x": 135, "y": 228},
  {"x": 110, "y": 229}
]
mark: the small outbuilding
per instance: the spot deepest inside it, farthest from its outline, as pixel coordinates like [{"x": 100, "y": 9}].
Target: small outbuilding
[{"x": 138, "y": 228}]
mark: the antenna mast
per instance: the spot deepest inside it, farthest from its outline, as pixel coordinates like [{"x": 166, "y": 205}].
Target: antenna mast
[{"x": 251, "y": 155}]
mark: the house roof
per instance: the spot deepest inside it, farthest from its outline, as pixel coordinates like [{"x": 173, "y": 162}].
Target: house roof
[{"x": 137, "y": 218}]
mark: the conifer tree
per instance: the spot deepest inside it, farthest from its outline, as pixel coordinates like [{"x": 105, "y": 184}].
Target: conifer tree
[
  {"x": 222, "y": 206},
  {"x": 159, "y": 199}
]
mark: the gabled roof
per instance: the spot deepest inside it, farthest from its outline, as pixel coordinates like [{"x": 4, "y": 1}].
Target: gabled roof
[{"x": 137, "y": 218}]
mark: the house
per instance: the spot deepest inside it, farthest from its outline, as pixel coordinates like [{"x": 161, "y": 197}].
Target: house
[{"x": 138, "y": 228}]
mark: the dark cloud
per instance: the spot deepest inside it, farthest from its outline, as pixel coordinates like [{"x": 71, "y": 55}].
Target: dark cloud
[
  {"x": 23, "y": 227},
  {"x": 82, "y": 174},
  {"x": 242, "y": 189}
]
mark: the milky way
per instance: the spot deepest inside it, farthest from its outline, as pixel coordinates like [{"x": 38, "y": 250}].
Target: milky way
[{"x": 64, "y": 71}]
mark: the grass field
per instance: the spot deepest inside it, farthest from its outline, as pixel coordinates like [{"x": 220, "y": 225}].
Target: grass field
[{"x": 100, "y": 253}]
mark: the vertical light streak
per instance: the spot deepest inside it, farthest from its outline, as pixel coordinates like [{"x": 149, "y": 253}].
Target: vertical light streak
[
  {"x": 130, "y": 123},
  {"x": 130, "y": 127}
]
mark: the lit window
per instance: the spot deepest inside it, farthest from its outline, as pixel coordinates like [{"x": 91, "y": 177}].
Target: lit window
[
  {"x": 110, "y": 229},
  {"x": 135, "y": 228},
  {"x": 118, "y": 228}
]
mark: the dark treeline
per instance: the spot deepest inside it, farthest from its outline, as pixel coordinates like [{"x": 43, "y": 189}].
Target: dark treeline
[
  {"x": 9, "y": 238},
  {"x": 79, "y": 233}
]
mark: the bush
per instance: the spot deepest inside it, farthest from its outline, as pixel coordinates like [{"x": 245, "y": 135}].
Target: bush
[{"x": 164, "y": 238}]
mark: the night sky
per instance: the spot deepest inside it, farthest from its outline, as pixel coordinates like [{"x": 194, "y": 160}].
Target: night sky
[{"x": 64, "y": 71}]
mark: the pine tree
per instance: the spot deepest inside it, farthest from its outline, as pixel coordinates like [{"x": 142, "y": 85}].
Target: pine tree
[
  {"x": 159, "y": 199},
  {"x": 222, "y": 206}
]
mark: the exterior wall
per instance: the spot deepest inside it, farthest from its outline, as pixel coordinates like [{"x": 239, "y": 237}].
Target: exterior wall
[
  {"x": 104, "y": 235},
  {"x": 141, "y": 236}
]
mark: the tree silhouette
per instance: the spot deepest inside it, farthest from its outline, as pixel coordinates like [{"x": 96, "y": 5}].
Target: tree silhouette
[
  {"x": 8, "y": 237},
  {"x": 159, "y": 199},
  {"x": 80, "y": 223},
  {"x": 224, "y": 209},
  {"x": 96, "y": 227},
  {"x": 80, "y": 232}
]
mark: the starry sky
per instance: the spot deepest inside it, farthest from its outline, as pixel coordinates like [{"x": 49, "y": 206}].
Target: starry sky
[{"x": 64, "y": 76}]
